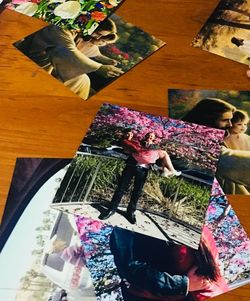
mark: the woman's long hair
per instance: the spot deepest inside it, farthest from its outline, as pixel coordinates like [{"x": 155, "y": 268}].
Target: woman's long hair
[{"x": 206, "y": 257}]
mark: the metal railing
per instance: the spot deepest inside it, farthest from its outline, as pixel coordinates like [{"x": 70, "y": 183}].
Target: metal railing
[{"x": 79, "y": 186}]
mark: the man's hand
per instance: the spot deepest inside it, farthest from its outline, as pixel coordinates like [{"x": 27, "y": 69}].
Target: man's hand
[
  {"x": 113, "y": 62},
  {"x": 196, "y": 282},
  {"x": 109, "y": 71}
]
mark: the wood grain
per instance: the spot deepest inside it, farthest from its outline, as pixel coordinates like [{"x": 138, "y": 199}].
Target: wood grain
[{"x": 39, "y": 117}]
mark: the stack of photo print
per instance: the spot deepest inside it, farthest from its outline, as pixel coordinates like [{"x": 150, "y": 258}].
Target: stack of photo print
[{"x": 140, "y": 213}]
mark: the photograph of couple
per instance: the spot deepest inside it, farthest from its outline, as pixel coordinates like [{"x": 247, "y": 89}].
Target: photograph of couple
[
  {"x": 142, "y": 155},
  {"x": 143, "y": 172},
  {"x": 71, "y": 257},
  {"x": 139, "y": 268},
  {"x": 86, "y": 64},
  {"x": 226, "y": 110}
]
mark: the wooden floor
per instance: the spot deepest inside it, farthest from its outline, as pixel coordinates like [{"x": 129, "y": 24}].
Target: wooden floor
[{"x": 39, "y": 117}]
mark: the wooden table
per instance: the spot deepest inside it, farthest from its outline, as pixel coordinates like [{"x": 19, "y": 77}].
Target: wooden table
[{"x": 39, "y": 117}]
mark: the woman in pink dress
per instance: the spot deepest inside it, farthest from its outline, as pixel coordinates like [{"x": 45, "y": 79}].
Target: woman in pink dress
[{"x": 146, "y": 152}]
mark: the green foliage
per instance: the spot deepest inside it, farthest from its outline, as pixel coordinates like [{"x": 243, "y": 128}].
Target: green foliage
[
  {"x": 132, "y": 46},
  {"x": 132, "y": 37},
  {"x": 198, "y": 195},
  {"x": 108, "y": 174},
  {"x": 82, "y": 169},
  {"x": 160, "y": 194}
]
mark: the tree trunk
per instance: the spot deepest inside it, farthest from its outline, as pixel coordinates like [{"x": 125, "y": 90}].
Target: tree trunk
[
  {"x": 231, "y": 24},
  {"x": 207, "y": 32}
]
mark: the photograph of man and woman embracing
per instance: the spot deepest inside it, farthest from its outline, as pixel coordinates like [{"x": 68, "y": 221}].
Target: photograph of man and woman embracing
[{"x": 137, "y": 267}]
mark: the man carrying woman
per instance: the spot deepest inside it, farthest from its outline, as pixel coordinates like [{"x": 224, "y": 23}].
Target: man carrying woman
[{"x": 141, "y": 156}]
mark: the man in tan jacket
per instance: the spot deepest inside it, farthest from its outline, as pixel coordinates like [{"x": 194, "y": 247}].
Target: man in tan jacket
[{"x": 55, "y": 50}]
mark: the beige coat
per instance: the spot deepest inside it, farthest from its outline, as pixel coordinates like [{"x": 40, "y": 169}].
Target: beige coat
[
  {"x": 54, "y": 49},
  {"x": 233, "y": 171}
]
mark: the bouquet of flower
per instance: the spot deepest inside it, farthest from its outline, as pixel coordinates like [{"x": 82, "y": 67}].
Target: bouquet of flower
[{"x": 81, "y": 15}]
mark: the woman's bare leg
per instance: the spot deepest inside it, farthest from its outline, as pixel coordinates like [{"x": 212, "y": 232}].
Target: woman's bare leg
[
  {"x": 167, "y": 166},
  {"x": 166, "y": 161}
]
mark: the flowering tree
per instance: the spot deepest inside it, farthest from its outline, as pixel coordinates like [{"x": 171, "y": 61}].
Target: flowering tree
[
  {"x": 195, "y": 145},
  {"x": 232, "y": 241},
  {"x": 216, "y": 189},
  {"x": 82, "y": 15},
  {"x": 95, "y": 238}
]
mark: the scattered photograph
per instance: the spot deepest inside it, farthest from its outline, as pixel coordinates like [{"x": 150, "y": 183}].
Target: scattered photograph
[
  {"x": 146, "y": 173},
  {"x": 29, "y": 176},
  {"x": 227, "y": 31},
  {"x": 87, "y": 64},
  {"x": 228, "y": 110},
  {"x": 52, "y": 265},
  {"x": 126, "y": 265},
  {"x": 81, "y": 15},
  {"x": 68, "y": 257}
]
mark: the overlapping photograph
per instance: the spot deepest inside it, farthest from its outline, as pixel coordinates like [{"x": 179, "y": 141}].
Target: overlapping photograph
[
  {"x": 146, "y": 173},
  {"x": 228, "y": 110},
  {"x": 227, "y": 31},
  {"x": 66, "y": 257},
  {"x": 87, "y": 64},
  {"x": 43, "y": 258},
  {"x": 80, "y": 15},
  {"x": 136, "y": 267}
]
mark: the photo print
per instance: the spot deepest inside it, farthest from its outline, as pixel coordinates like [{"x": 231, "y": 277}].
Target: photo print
[
  {"x": 228, "y": 110},
  {"x": 146, "y": 173},
  {"x": 227, "y": 31},
  {"x": 105, "y": 263},
  {"x": 52, "y": 265},
  {"x": 139, "y": 268},
  {"x": 87, "y": 64},
  {"x": 29, "y": 176},
  {"x": 83, "y": 15}
]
